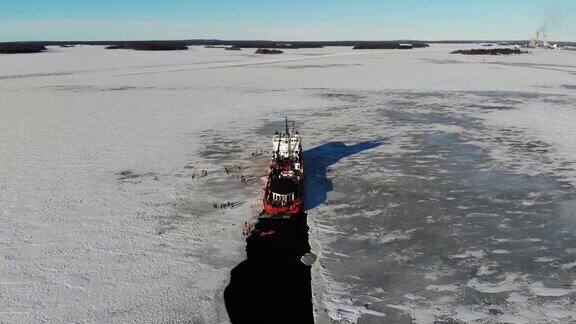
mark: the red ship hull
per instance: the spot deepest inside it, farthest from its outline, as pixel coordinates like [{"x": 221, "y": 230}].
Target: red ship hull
[
  {"x": 292, "y": 209},
  {"x": 284, "y": 209}
]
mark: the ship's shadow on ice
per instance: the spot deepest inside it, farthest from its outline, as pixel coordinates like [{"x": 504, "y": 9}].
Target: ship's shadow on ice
[
  {"x": 317, "y": 165},
  {"x": 272, "y": 285}
]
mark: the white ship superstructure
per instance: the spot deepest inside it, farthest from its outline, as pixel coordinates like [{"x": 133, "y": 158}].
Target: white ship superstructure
[{"x": 287, "y": 145}]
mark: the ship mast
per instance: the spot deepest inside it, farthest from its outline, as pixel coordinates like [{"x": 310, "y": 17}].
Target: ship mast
[
  {"x": 289, "y": 138},
  {"x": 278, "y": 150}
]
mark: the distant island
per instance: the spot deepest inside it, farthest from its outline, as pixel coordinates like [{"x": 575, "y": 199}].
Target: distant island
[
  {"x": 268, "y": 51},
  {"x": 491, "y": 51},
  {"x": 15, "y": 48},
  {"x": 390, "y": 45},
  {"x": 150, "y": 46}
]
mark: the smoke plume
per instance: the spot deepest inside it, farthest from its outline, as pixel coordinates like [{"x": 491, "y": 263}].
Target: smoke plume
[{"x": 551, "y": 22}]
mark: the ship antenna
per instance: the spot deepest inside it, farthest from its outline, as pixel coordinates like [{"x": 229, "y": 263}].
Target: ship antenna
[
  {"x": 289, "y": 140},
  {"x": 286, "y": 123}
]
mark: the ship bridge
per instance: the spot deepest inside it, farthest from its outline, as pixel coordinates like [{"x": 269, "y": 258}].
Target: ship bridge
[{"x": 287, "y": 145}]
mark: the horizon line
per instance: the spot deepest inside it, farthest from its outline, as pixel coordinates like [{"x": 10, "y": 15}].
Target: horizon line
[{"x": 279, "y": 41}]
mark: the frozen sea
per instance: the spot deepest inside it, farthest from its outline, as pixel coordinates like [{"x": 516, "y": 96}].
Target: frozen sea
[{"x": 440, "y": 187}]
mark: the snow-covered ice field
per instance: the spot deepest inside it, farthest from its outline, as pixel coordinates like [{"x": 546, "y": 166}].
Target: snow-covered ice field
[{"x": 441, "y": 187}]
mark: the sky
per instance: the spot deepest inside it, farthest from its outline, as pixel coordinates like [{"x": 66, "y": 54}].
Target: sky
[{"x": 32, "y": 20}]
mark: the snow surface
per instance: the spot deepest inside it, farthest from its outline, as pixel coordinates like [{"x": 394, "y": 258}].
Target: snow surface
[{"x": 442, "y": 185}]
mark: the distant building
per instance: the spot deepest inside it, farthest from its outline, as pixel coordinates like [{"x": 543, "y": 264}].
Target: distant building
[{"x": 538, "y": 43}]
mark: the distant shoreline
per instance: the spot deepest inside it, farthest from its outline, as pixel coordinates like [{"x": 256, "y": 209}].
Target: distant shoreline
[
  {"x": 272, "y": 43},
  {"x": 169, "y": 45}
]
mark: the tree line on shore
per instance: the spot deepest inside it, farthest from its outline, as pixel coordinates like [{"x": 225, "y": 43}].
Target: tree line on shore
[
  {"x": 36, "y": 47},
  {"x": 156, "y": 45},
  {"x": 490, "y": 51}
]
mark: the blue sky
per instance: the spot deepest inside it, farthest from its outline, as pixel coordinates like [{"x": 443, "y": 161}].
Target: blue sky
[{"x": 285, "y": 20}]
